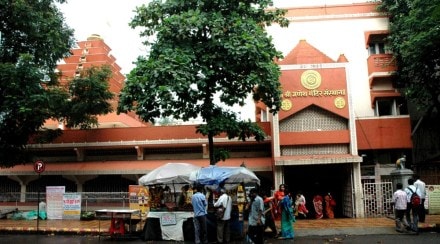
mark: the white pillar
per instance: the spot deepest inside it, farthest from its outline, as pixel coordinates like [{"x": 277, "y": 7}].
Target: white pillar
[
  {"x": 358, "y": 192},
  {"x": 22, "y": 192}
]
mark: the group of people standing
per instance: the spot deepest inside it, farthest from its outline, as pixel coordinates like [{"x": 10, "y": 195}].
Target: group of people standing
[
  {"x": 200, "y": 206},
  {"x": 407, "y": 214},
  {"x": 264, "y": 212},
  {"x": 259, "y": 218}
]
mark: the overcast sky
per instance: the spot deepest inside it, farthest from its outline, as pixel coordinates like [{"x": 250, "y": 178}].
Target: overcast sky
[{"x": 110, "y": 20}]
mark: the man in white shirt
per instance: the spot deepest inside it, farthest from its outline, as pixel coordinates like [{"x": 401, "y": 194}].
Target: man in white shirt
[
  {"x": 223, "y": 225},
  {"x": 400, "y": 205},
  {"x": 410, "y": 209},
  {"x": 419, "y": 184}
]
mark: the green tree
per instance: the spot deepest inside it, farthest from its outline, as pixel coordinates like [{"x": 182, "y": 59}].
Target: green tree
[
  {"x": 199, "y": 50},
  {"x": 33, "y": 38},
  {"x": 89, "y": 96},
  {"x": 415, "y": 41}
]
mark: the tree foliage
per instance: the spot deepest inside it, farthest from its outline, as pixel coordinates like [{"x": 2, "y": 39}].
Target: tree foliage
[
  {"x": 89, "y": 96},
  {"x": 199, "y": 50},
  {"x": 33, "y": 38},
  {"x": 415, "y": 42}
]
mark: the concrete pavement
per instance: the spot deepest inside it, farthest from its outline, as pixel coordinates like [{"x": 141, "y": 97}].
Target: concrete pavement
[{"x": 307, "y": 227}]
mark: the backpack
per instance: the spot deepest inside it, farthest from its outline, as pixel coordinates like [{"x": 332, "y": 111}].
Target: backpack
[{"x": 415, "y": 198}]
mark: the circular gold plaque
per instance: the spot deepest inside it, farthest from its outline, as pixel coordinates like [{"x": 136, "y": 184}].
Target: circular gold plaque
[
  {"x": 339, "y": 102},
  {"x": 311, "y": 79},
  {"x": 286, "y": 104}
]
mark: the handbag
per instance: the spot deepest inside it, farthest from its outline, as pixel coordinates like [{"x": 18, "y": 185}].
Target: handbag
[{"x": 220, "y": 211}]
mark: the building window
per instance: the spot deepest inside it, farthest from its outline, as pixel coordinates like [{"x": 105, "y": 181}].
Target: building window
[
  {"x": 390, "y": 107},
  {"x": 376, "y": 48},
  {"x": 264, "y": 117},
  {"x": 402, "y": 107},
  {"x": 377, "y": 44}
]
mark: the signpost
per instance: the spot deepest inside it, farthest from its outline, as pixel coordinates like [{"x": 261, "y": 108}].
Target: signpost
[{"x": 39, "y": 168}]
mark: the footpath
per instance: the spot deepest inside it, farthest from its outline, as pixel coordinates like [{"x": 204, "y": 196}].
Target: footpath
[{"x": 303, "y": 227}]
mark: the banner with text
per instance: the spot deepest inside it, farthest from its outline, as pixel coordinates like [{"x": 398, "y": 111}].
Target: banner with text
[
  {"x": 433, "y": 198},
  {"x": 72, "y": 206},
  {"x": 54, "y": 201}
]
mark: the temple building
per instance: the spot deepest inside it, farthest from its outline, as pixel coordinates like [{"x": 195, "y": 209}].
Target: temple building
[{"x": 342, "y": 124}]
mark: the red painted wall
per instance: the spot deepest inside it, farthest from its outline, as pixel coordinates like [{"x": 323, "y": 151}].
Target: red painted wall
[
  {"x": 314, "y": 137},
  {"x": 383, "y": 133}
]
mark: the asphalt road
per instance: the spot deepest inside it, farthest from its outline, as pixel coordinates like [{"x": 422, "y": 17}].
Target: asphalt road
[{"x": 425, "y": 238}]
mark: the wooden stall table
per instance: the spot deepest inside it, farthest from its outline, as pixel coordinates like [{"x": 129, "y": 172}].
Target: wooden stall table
[
  {"x": 170, "y": 223},
  {"x": 118, "y": 219}
]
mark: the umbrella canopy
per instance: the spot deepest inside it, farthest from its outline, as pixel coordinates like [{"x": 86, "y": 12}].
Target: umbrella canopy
[
  {"x": 213, "y": 176},
  {"x": 176, "y": 173}
]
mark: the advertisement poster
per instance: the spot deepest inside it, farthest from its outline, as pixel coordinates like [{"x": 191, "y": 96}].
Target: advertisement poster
[
  {"x": 54, "y": 201},
  {"x": 433, "y": 198},
  {"x": 138, "y": 197},
  {"x": 71, "y": 206}
]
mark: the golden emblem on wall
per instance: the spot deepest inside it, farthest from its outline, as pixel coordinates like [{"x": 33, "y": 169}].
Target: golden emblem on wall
[
  {"x": 310, "y": 79},
  {"x": 339, "y": 102},
  {"x": 286, "y": 104}
]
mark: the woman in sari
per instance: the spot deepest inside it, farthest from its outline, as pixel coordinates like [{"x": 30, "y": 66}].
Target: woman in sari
[
  {"x": 287, "y": 217},
  {"x": 329, "y": 206},
  {"x": 277, "y": 197},
  {"x": 317, "y": 204}
]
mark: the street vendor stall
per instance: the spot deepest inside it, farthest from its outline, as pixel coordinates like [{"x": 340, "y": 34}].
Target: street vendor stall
[
  {"x": 233, "y": 180},
  {"x": 170, "y": 215},
  {"x": 169, "y": 202}
]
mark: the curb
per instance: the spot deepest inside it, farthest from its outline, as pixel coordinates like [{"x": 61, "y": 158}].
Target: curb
[
  {"x": 63, "y": 231},
  {"x": 361, "y": 231}
]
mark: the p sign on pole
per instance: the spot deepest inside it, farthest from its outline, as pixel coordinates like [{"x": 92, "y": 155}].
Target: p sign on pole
[{"x": 39, "y": 167}]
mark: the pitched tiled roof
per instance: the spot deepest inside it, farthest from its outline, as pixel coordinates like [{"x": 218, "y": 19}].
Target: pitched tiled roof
[{"x": 304, "y": 53}]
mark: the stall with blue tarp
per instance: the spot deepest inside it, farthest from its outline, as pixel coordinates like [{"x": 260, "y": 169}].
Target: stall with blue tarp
[
  {"x": 234, "y": 180},
  {"x": 212, "y": 176}
]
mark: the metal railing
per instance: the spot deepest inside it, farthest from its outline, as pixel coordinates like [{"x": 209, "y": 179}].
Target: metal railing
[{"x": 89, "y": 200}]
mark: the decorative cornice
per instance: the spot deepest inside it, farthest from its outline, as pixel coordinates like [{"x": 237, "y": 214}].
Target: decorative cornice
[
  {"x": 135, "y": 143},
  {"x": 336, "y": 17}
]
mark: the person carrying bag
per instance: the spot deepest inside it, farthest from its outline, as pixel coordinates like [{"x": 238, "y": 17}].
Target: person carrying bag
[{"x": 223, "y": 214}]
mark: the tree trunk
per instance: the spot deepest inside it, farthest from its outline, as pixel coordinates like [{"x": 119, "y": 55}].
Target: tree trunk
[{"x": 211, "y": 149}]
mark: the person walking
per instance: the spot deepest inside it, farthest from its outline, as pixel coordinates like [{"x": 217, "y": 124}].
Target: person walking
[
  {"x": 419, "y": 184},
  {"x": 400, "y": 205},
  {"x": 300, "y": 206},
  {"x": 330, "y": 205},
  {"x": 223, "y": 224},
  {"x": 412, "y": 210},
  {"x": 200, "y": 205},
  {"x": 256, "y": 218},
  {"x": 277, "y": 197},
  {"x": 317, "y": 205},
  {"x": 287, "y": 216},
  {"x": 269, "y": 215}
]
